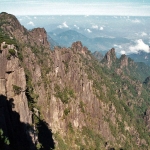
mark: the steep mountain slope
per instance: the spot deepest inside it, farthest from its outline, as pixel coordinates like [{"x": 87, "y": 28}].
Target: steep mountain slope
[{"x": 66, "y": 99}]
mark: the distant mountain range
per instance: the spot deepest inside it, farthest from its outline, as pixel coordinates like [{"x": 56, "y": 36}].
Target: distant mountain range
[
  {"x": 52, "y": 42},
  {"x": 141, "y": 57},
  {"x": 102, "y": 44},
  {"x": 66, "y": 38}
]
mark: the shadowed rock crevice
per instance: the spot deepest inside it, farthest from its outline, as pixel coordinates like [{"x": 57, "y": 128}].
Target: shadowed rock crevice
[
  {"x": 17, "y": 132},
  {"x": 21, "y": 135},
  {"x": 45, "y": 136}
]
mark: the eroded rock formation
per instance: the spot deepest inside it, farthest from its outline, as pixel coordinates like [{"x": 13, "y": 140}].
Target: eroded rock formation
[{"x": 84, "y": 103}]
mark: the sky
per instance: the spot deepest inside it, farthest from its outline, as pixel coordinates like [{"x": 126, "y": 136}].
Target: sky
[{"x": 76, "y": 7}]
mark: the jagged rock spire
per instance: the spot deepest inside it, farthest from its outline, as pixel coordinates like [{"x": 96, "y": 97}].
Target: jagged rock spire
[
  {"x": 110, "y": 57},
  {"x": 79, "y": 47},
  {"x": 123, "y": 61}
]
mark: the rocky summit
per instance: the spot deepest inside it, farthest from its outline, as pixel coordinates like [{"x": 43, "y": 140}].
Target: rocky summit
[{"x": 66, "y": 99}]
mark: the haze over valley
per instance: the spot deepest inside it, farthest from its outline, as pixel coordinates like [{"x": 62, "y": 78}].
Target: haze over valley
[{"x": 127, "y": 34}]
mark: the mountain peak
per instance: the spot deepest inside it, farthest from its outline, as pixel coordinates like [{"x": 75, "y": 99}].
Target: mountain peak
[
  {"x": 40, "y": 37},
  {"x": 123, "y": 61},
  {"x": 8, "y": 20},
  {"x": 79, "y": 47},
  {"x": 12, "y": 26},
  {"x": 110, "y": 57}
]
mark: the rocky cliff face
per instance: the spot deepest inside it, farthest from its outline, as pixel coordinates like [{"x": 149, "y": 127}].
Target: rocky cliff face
[
  {"x": 11, "y": 75},
  {"x": 13, "y": 81},
  {"x": 124, "y": 61},
  {"x": 110, "y": 60},
  {"x": 84, "y": 103},
  {"x": 39, "y": 37},
  {"x": 14, "y": 104}
]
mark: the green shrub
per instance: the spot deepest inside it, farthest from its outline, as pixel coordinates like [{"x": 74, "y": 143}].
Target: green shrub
[
  {"x": 17, "y": 89},
  {"x": 66, "y": 111},
  {"x": 92, "y": 135},
  {"x": 39, "y": 146},
  {"x": 8, "y": 56},
  {"x": 20, "y": 56},
  {"x": 36, "y": 119},
  {"x": 81, "y": 106},
  {"x": 61, "y": 143},
  {"x": 12, "y": 52},
  {"x": 70, "y": 127},
  {"x": 64, "y": 94},
  {"x": 3, "y": 139},
  {"x": 66, "y": 64},
  {"x": 6, "y": 38},
  {"x": 5, "y": 46}
]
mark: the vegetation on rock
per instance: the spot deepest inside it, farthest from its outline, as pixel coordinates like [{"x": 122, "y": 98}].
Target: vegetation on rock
[
  {"x": 3, "y": 140},
  {"x": 12, "y": 52},
  {"x": 88, "y": 104},
  {"x": 17, "y": 89}
]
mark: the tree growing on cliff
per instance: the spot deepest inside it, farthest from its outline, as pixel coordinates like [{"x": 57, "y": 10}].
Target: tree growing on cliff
[{"x": 3, "y": 139}]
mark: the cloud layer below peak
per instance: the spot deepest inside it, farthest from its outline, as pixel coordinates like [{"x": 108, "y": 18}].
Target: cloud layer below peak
[{"x": 140, "y": 45}]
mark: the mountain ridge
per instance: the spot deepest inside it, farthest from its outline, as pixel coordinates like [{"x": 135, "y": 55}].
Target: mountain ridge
[{"x": 69, "y": 99}]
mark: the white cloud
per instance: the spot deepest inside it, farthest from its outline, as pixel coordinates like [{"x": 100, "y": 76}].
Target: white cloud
[
  {"x": 143, "y": 34},
  {"x": 140, "y": 45},
  {"x": 95, "y": 26},
  {"x": 31, "y": 23},
  {"x": 101, "y": 28},
  {"x": 63, "y": 25},
  {"x": 123, "y": 52},
  {"x": 28, "y": 17},
  {"x": 60, "y": 26},
  {"x": 76, "y": 26},
  {"x": 88, "y": 30},
  {"x": 136, "y": 21},
  {"x": 146, "y": 57},
  {"x": 35, "y": 18},
  {"x": 118, "y": 46}
]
